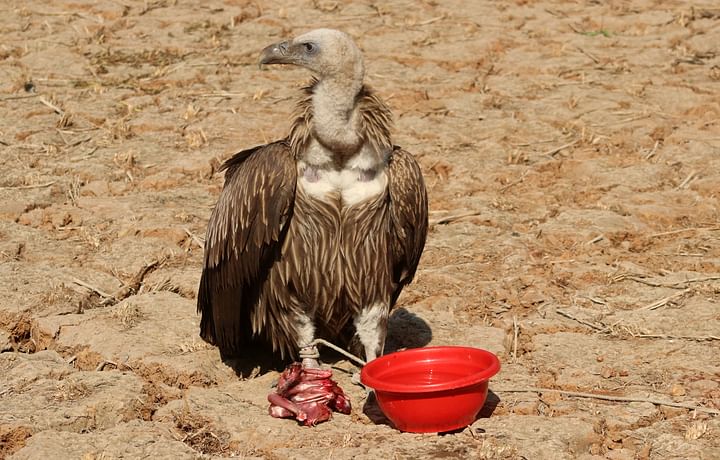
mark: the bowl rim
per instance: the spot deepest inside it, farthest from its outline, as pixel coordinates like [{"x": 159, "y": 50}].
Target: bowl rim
[{"x": 370, "y": 380}]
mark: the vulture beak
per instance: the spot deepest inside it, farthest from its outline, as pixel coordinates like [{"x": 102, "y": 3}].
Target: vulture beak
[{"x": 278, "y": 53}]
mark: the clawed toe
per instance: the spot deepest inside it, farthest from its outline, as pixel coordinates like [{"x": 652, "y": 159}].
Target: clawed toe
[{"x": 355, "y": 380}]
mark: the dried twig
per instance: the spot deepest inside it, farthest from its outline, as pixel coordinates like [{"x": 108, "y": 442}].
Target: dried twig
[
  {"x": 664, "y": 301},
  {"x": 675, "y": 285},
  {"x": 617, "y": 330},
  {"x": 104, "y": 363},
  {"x": 528, "y": 144},
  {"x": 55, "y": 108},
  {"x": 194, "y": 238},
  {"x": 577, "y": 394},
  {"x": 596, "y": 300},
  {"x": 594, "y": 59},
  {"x": 520, "y": 180},
  {"x": 454, "y": 217},
  {"x": 597, "y": 239},
  {"x": 694, "y": 338},
  {"x": 611, "y": 330},
  {"x": 82, "y": 283},
  {"x": 651, "y": 153},
  {"x": 127, "y": 289},
  {"x": 24, "y": 96},
  {"x": 430, "y": 21},
  {"x": 622, "y": 121},
  {"x": 697, "y": 280},
  {"x": 136, "y": 281},
  {"x": 581, "y": 321},
  {"x": 687, "y": 180},
  {"x": 516, "y": 333},
  {"x": 683, "y": 230},
  {"x": 78, "y": 142},
  {"x": 556, "y": 150},
  {"x": 220, "y": 94},
  {"x": 26, "y": 187}
]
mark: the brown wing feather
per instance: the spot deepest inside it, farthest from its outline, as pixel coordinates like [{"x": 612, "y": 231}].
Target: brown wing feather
[
  {"x": 408, "y": 216},
  {"x": 244, "y": 239}
]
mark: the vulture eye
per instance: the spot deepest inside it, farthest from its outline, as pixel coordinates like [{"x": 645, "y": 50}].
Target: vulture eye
[{"x": 310, "y": 48}]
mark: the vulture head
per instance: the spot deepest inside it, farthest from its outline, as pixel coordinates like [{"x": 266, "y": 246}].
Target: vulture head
[{"x": 328, "y": 53}]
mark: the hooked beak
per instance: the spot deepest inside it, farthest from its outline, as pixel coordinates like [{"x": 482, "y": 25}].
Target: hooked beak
[{"x": 278, "y": 53}]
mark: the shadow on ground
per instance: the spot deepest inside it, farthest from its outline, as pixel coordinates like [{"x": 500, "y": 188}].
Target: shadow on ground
[{"x": 405, "y": 330}]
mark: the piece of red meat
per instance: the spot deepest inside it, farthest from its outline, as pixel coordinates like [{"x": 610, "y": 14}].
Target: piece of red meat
[{"x": 309, "y": 395}]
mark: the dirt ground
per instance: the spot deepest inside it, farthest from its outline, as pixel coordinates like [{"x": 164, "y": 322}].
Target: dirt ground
[{"x": 572, "y": 155}]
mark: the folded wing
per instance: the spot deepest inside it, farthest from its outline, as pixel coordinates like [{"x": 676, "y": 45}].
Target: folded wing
[
  {"x": 408, "y": 216},
  {"x": 244, "y": 239}
]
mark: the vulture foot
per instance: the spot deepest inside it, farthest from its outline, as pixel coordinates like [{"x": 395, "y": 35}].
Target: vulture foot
[
  {"x": 308, "y": 395},
  {"x": 355, "y": 379},
  {"x": 309, "y": 356}
]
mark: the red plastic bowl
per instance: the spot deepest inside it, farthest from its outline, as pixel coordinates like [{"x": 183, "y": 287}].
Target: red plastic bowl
[{"x": 431, "y": 389}]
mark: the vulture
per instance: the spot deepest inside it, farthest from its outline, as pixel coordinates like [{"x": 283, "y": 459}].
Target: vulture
[{"x": 314, "y": 235}]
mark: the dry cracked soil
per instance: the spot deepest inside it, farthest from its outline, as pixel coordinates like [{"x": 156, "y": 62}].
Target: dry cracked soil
[{"x": 571, "y": 151}]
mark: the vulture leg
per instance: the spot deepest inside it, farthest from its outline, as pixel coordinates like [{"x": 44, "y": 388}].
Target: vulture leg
[
  {"x": 308, "y": 352},
  {"x": 304, "y": 391},
  {"x": 371, "y": 329}
]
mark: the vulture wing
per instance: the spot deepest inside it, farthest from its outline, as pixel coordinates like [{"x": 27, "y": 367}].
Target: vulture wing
[
  {"x": 408, "y": 216},
  {"x": 244, "y": 238}
]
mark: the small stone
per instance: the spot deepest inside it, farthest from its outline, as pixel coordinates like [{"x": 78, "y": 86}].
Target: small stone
[
  {"x": 175, "y": 235},
  {"x": 526, "y": 408},
  {"x": 551, "y": 397},
  {"x": 620, "y": 454},
  {"x": 32, "y": 218},
  {"x": 671, "y": 412},
  {"x": 95, "y": 188},
  {"x": 532, "y": 296},
  {"x": 118, "y": 188},
  {"x": 704, "y": 386},
  {"x": 12, "y": 210},
  {"x": 5, "y": 342},
  {"x": 677, "y": 390},
  {"x": 644, "y": 452}
]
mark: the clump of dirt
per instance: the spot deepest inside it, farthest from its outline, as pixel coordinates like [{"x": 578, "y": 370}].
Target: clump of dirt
[
  {"x": 156, "y": 373},
  {"x": 12, "y": 439},
  {"x": 491, "y": 449},
  {"x": 87, "y": 360},
  {"x": 137, "y": 59},
  {"x": 128, "y": 315},
  {"x": 154, "y": 396},
  {"x": 201, "y": 435},
  {"x": 67, "y": 300},
  {"x": 70, "y": 390},
  {"x": 25, "y": 335}
]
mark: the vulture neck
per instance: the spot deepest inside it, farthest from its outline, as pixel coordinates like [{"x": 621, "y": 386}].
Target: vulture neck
[{"x": 335, "y": 115}]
